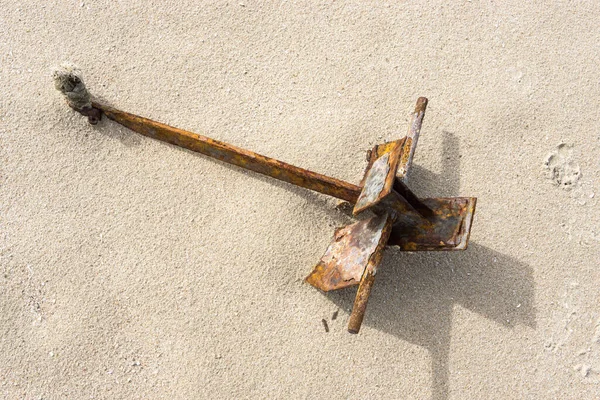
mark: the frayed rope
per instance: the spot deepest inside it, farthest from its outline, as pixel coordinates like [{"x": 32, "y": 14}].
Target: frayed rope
[{"x": 69, "y": 81}]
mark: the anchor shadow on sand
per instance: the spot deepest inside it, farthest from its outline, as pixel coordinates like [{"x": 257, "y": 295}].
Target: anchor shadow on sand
[{"x": 415, "y": 294}]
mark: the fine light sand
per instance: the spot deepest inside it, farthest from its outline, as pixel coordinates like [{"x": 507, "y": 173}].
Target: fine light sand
[{"x": 132, "y": 269}]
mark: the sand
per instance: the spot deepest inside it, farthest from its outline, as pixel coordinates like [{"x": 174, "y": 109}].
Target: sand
[{"x": 132, "y": 269}]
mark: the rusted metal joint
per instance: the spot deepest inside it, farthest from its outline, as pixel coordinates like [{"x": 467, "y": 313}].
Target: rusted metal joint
[
  {"x": 400, "y": 218},
  {"x": 94, "y": 115}
]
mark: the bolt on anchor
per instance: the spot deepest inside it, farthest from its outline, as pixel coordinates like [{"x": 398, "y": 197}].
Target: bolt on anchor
[{"x": 399, "y": 217}]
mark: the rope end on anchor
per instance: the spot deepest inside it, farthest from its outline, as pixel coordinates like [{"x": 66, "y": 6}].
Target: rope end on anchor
[{"x": 68, "y": 80}]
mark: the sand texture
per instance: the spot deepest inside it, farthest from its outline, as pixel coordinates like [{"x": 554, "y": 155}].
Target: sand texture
[{"x": 133, "y": 269}]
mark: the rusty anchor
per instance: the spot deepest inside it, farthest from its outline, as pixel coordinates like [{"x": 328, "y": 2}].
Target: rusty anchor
[{"x": 399, "y": 217}]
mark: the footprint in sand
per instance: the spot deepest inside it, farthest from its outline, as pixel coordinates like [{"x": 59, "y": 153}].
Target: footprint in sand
[{"x": 563, "y": 171}]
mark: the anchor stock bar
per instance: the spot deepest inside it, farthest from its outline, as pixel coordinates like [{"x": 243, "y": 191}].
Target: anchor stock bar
[{"x": 412, "y": 137}]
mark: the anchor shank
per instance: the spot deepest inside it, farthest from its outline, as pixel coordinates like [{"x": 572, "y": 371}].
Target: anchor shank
[{"x": 234, "y": 155}]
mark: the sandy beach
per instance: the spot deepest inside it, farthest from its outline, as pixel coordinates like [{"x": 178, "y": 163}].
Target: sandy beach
[{"x": 134, "y": 269}]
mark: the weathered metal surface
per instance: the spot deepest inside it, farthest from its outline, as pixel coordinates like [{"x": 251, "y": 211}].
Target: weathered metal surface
[
  {"x": 403, "y": 150},
  {"x": 401, "y": 218},
  {"x": 402, "y": 210},
  {"x": 234, "y": 155},
  {"x": 450, "y": 228},
  {"x": 412, "y": 137},
  {"x": 378, "y": 179},
  {"x": 348, "y": 255},
  {"x": 374, "y": 182},
  {"x": 368, "y": 278},
  {"x": 390, "y": 199},
  {"x": 360, "y": 302},
  {"x": 411, "y": 198}
]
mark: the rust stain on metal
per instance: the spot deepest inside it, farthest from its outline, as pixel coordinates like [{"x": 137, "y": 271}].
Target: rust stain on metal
[
  {"x": 234, "y": 155},
  {"x": 379, "y": 177},
  {"x": 403, "y": 211},
  {"x": 374, "y": 182},
  {"x": 368, "y": 278},
  {"x": 347, "y": 256},
  {"x": 396, "y": 197},
  {"x": 412, "y": 137},
  {"x": 449, "y": 230}
]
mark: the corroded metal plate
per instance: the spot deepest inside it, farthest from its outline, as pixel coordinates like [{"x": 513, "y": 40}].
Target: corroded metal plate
[
  {"x": 378, "y": 180},
  {"x": 450, "y": 227},
  {"x": 348, "y": 255}
]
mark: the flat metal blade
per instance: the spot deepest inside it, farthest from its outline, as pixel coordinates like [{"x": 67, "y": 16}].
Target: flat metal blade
[
  {"x": 346, "y": 258},
  {"x": 449, "y": 226},
  {"x": 379, "y": 177}
]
